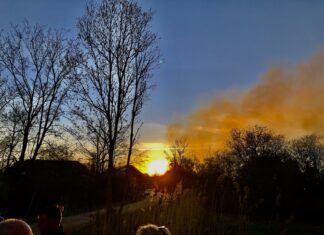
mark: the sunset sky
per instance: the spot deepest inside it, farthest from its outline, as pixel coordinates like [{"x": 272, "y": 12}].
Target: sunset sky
[{"x": 209, "y": 48}]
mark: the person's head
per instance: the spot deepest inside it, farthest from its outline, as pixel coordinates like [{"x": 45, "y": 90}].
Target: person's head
[
  {"x": 49, "y": 218},
  {"x": 14, "y": 227},
  {"x": 152, "y": 229}
]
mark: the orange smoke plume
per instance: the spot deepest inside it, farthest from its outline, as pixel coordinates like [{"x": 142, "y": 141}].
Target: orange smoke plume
[{"x": 287, "y": 99}]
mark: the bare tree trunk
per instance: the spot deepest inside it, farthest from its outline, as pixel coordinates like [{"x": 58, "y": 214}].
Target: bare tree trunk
[
  {"x": 24, "y": 144},
  {"x": 131, "y": 140}
]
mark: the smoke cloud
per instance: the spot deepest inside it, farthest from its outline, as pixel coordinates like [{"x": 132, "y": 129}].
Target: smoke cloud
[{"x": 287, "y": 99}]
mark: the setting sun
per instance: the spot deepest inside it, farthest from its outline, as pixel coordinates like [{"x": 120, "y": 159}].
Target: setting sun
[{"x": 157, "y": 167}]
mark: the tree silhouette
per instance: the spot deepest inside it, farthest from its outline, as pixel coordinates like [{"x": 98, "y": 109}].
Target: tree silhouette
[
  {"x": 120, "y": 51},
  {"x": 40, "y": 67}
]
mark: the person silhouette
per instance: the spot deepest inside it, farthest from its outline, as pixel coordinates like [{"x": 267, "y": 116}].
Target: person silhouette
[
  {"x": 49, "y": 220},
  {"x": 14, "y": 227},
  {"x": 152, "y": 229}
]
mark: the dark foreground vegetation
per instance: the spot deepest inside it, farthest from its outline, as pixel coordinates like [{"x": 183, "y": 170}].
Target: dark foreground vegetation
[
  {"x": 259, "y": 175},
  {"x": 29, "y": 186},
  {"x": 260, "y": 184},
  {"x": 188, "y": 215}
]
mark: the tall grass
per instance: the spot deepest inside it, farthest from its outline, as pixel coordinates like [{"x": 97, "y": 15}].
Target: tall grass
[
  {"x": 182, "y": 214},
  {"x": 185, "y": 214}
]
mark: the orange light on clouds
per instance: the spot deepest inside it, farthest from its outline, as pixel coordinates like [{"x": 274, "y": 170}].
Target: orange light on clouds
[{"x": 288, "y": 99}]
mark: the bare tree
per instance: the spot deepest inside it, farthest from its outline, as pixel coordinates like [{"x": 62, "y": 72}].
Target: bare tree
[
  {"x": 41, "y": 65},
  {"x": 56, "y": 151},
  {"x": 5, "y": 93},
  {"x": 89, "y": 135},
  {"x": 9, "y": 129},
  {"x": 142, "y": 65},
  {"x": 121, "y": 51},
  {"x": 178, "y": 153},
  {"x": 11, "y": 132}
]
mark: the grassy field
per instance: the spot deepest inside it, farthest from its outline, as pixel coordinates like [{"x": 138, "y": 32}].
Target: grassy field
[
  {"x": 83, "y": 221},
  {"x": 186, "y": 216}
]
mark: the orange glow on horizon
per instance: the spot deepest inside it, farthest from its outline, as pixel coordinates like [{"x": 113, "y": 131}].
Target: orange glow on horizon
[
  {"x": 152, "y": 152},
  {"x": 158, "y": 167}
]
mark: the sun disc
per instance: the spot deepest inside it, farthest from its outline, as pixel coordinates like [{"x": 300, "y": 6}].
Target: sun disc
[{"x": 158, "y": 167}]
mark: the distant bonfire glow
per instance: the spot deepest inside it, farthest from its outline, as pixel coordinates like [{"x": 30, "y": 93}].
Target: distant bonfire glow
[{"x": 157, "y": 167}]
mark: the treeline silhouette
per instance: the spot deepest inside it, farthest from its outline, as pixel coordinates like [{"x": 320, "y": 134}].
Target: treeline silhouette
[
  {"x": 29, "y": 186},
  {"x": 259, "y": 175}
]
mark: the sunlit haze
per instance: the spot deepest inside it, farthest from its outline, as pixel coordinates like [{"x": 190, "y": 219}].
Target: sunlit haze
[
  {"x": 157, "y": 167},
  {"x": 153, "y": 154}
]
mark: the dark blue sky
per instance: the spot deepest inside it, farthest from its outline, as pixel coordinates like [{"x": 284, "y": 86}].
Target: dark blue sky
[{"x": 207, "y": 45}]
